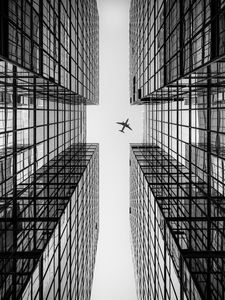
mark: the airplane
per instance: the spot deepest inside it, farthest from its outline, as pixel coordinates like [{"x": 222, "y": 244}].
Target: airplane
[{"x": 125, "y": 125}]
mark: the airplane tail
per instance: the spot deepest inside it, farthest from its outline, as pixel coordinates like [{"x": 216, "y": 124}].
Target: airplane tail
[{"x": 121, "y": 131}]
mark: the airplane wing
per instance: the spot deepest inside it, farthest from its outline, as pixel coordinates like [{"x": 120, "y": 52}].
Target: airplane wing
[
  {"x": 121, "y": 123},
  {"x": 128, "y": 126}
]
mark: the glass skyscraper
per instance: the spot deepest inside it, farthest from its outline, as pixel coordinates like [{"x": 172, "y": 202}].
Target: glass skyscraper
[
  {"x": 177, "y": 175},
  {"x": 48, "y": 173}
]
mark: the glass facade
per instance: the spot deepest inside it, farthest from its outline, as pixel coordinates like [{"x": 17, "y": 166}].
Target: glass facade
[
  {"x": 155, "y": 253},
  {"x": 57, "y": 40},
  {"x": 169, "y": 39},
  {"x": 56, "y": 229},
  {"x": 176, "y": 56},
  {"x": 48, "y": 173},
  {"x": 170, "y": 229}
]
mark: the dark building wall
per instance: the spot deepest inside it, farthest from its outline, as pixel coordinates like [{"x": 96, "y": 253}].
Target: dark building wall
[
  {"x": 169, "y": 39},
  {"x": 54, "y": 39},
  {"x": 48, "y": 123},
  {"x": 67, "y": 263},
  {"x": 38, "y": 121},
  {"x": 169, "y": 223},
  {"x": 177, "y": 58},
  {"x": 48, "y": 174},
  {"x": 57, "y": 232}
]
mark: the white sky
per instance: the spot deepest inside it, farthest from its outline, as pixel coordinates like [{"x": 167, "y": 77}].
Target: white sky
[{"x": 114, "y": 274}]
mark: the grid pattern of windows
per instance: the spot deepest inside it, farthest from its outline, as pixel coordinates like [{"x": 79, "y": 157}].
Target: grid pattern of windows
[
  {"x": 57, "y": 230},
  {"x": 191, "y": 131},
  {"x": 169, "y": 39},
  {"x": 48, "y": 174},
  {"x": 156, "y": 276},
  {"x": 55, "y": 39},
  {"x": 38, "y": 121},
  {"x": 178, "y": 246},
  {"x": 183, "y": 155}
]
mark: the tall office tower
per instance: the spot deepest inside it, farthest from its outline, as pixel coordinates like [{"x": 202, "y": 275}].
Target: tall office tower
[
  {"x": 177, "y": 215},
  {"x": 48, "y": 173}
]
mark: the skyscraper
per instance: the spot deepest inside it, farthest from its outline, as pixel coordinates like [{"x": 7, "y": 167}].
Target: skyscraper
[
  {"x": 177, "y": 174},
  {"x": 48, "y": 173}
]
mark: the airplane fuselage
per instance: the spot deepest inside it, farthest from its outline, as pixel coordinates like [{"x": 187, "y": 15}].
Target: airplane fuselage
[{"x": 125, "y": 125}]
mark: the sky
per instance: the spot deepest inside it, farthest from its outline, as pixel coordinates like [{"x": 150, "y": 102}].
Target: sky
[{"x": 114, "y": 273}]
